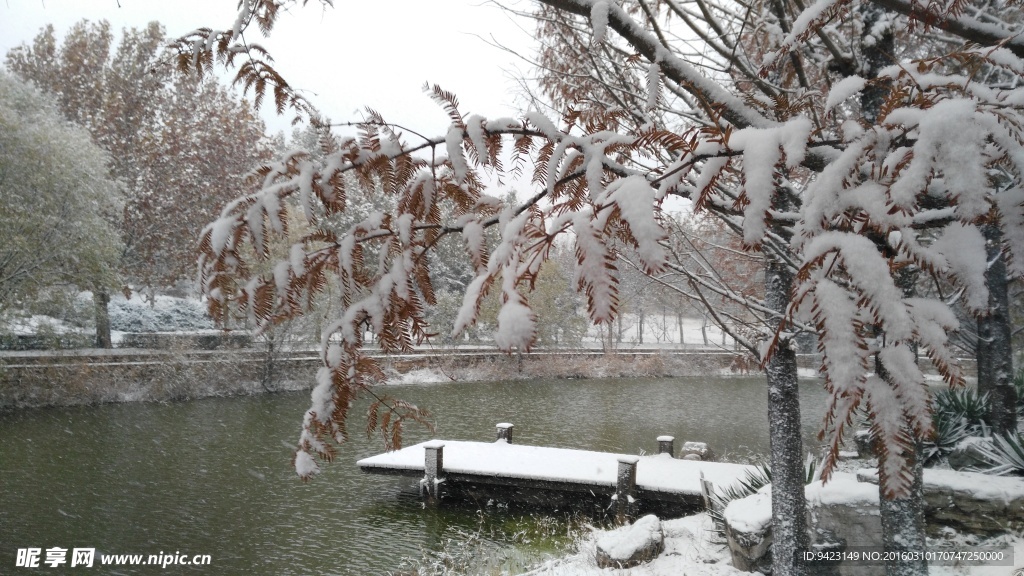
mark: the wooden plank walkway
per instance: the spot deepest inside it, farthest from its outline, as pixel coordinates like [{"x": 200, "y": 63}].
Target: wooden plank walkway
[{"x": 554, "y": 476}]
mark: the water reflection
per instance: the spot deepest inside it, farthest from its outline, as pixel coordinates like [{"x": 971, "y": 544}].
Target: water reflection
[{"x": 214, "y": 476}]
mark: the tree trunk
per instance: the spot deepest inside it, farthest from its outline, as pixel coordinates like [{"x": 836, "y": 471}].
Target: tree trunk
[
  {"x": 903, "y": 524},
  {"x": 903, "y": 517},
  {"x": 101, "y": 301},
  {"x": 995, "y": 352},
  {"x": 682, "y": 338},
  {"x": 789, "y": 505},
  {"x": 640, "y": 329},
  {"x": 269, "y": 360}
]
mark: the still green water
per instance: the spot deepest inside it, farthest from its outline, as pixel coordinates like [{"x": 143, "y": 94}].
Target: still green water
[{"x": 214, "y": 476}]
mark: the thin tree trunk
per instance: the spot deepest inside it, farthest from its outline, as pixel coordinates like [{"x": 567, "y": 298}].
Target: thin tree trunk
[
  {"x": 789, "y": 505},
  {"x": 995, "y": 352},
  {"x": 101, "y": 301},
  {"x": 269, "y": 360}
]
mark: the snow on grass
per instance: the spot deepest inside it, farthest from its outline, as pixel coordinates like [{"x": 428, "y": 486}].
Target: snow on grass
[
  {"x": 690, "y": 548},
  {"x": 419, "y": 376},
  {"x": 29, "y": 325},
  {"x": 624, "y": 543}
]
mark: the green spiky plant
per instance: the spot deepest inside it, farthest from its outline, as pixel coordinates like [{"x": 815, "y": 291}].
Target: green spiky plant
[
  {"x": 949, "y": 432},
  {"x": 956, "y": 415},
  {"x": 963, "y": 404},
  {"x": 1005, "y": 454}
]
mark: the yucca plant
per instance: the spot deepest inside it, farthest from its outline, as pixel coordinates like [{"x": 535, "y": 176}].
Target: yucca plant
[
  {"x": 963, "y": 404},
  {"x": 948, "y": 433},
  {"x": 1006, "y": 454},
  {"x": 754, "y": 479},
  {"x": 957, "y": 414}
]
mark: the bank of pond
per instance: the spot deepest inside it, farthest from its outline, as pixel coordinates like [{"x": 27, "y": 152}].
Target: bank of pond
[{"x": 214, "y": 476}]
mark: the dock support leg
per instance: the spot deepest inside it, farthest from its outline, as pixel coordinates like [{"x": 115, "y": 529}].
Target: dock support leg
[
  {"x": 625, "y": 488},
  {"x": 505, "y": 432},
  {"x": 666, "y": 445},
  {"x": 433, "y": 470}
]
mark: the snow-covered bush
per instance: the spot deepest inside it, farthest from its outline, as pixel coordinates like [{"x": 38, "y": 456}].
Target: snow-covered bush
[{"x": 162, "y": 314}]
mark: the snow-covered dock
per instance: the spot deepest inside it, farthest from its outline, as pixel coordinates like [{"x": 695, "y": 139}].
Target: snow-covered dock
[{"x": 554, "y": 476}]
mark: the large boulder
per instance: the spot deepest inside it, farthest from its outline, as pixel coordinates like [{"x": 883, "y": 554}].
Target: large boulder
[
  {"x": 842, "y": 513},
  {"x": 968, "y": 501},
  {"x": 631, "y": 545},
  {"x": 969, "y": 454}
]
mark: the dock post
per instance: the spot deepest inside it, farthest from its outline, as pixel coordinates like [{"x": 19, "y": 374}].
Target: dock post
[
  {"x": 433, "y": 469},
  {"x": 505, "y": 432},
  {"x": 625, "y": 487},
  {"x": 666, "y": 445}
]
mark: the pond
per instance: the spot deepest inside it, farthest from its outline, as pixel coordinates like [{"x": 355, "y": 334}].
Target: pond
[{"x": 214, "y": 476}]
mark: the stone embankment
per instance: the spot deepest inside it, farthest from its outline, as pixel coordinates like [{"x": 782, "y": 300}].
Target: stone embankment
[
  {"x": 844, "y": 514},
  {"x": 75, "y": 377}
]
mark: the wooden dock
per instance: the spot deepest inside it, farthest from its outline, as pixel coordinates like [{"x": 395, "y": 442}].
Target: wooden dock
[{"x": 622, "y": 484}]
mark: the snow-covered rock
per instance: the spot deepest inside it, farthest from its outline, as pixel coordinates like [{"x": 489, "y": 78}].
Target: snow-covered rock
[
  {"x": 968, "y": 501},
  {"x": 968, "y": 454},
  {"x": 748, "y": 530},
  {"x": 631, "y": 545},
  {"x": 696, "y": 451},
  {"x": 844, "y": 513},
  {"x": 862, "y": 439}
]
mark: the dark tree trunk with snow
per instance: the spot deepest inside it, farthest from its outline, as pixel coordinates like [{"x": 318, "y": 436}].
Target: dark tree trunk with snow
[
  {"x": 903, "y": 524},
  {"x": 789, "y": 519},
  {"x": 995, "y": 353},
  {"x": 101, "y": 300},
  {"x": 903, "y": 516}
]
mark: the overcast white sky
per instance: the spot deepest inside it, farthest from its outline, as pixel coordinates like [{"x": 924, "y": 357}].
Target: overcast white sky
[{"x": 360, "y": 53}]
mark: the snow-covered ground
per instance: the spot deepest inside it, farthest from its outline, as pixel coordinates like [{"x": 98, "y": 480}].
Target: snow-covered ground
[
  {"x": 662, "y": 330},
  {"x": 692, "y": 548},
  {"x": 135, "y": 314},
  {"x": 34, "y": 324}
]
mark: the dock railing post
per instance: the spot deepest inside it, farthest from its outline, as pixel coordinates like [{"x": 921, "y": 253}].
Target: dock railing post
[
  {"x": 505, "y": 432},
  {"x": 433, "y": 469},
  {"x": 625, "y": 488},
  {"x": 666, "y": 445}
]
